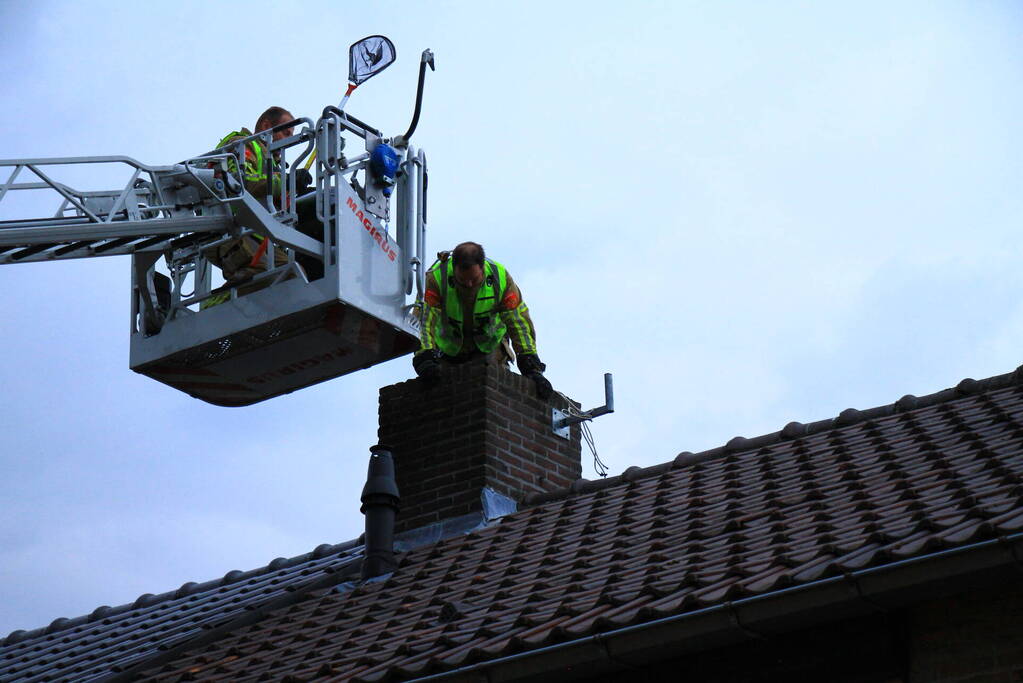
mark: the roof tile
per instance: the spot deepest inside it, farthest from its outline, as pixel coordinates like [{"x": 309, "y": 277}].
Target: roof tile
[{"x": 761, "y": 515}]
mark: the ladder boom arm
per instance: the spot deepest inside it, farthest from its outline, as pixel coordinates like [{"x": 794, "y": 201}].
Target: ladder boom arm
[
  {"x": 50, "y": 234},
  {"x": 156, "y": 205}
]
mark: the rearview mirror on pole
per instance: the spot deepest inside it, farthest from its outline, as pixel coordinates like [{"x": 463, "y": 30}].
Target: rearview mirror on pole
[{"x": 368, "y": 57}]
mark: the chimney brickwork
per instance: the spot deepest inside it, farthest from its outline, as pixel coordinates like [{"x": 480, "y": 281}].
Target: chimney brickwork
[{"x": 480, "y": 426}]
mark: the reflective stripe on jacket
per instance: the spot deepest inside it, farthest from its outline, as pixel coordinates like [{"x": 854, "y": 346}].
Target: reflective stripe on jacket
[{"x": 253, "y": 167}]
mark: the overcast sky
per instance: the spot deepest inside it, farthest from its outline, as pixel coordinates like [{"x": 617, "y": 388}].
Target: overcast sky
[{"x": 749, "y": 212}]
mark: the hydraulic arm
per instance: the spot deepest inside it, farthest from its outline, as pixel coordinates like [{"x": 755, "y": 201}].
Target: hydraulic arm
[{"x": 157, "y": 205}]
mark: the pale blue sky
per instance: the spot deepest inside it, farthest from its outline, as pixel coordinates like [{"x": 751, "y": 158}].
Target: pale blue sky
[{"x": 749, "y": 212}]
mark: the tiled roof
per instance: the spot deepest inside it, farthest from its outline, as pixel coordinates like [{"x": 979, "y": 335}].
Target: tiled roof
[
  {"x": 865, "y": 497},
  {"x": 696, "y": 544},
  {"x": 91, "y": 646}
]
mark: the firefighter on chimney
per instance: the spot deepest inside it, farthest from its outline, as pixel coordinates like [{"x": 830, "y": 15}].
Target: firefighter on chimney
[{"x": 472, "y": 305}]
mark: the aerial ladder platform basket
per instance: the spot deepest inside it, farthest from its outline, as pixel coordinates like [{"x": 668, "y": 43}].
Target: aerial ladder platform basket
[{"x": 342, "y": 273}]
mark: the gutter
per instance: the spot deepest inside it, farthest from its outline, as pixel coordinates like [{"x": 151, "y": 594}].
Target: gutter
[{"x": 865, "y": 591}]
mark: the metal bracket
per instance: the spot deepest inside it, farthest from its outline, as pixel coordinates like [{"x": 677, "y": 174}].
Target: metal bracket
[
  {"x": 561, "y": 421},
  {"x": 560, "y": 418}
]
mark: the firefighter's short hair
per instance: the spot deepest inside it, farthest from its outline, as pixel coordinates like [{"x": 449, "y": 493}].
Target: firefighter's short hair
[
  {"x": 271, "y": 117},
  {"x": 468, "y": 254}
]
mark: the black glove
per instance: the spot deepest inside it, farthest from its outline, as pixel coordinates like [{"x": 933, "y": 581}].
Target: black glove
[
  {"x": 543, "y": 385},
  {"x": 531, "y": 367},
  {"x": 427, "y": 366},
  {"x": 303, "y": 179},
  {"x": 529, "y": 363}
]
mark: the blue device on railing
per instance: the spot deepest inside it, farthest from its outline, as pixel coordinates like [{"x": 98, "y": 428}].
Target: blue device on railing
[{"x": 383, "y": 164}]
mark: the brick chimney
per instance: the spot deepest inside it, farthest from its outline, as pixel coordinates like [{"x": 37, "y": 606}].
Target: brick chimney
[{"x": 482, "y": 426}]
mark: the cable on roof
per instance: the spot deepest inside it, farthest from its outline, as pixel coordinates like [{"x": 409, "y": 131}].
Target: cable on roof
[{"x": 598, "y": 464}]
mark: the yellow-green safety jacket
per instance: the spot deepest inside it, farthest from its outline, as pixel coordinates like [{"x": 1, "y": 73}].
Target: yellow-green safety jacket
[
  {"x": 254, "y": 167},
  {"x": 498, "y": 310}
]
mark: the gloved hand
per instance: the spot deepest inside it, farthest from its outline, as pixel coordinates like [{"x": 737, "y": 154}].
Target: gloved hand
[
  {"x": 531, "y": 367},
  {"x": 427, "y": 366},
  {"x": 303, "y": 179},
  {"x": 529, "y": 363},
  {"x": 543, "y": 386}
]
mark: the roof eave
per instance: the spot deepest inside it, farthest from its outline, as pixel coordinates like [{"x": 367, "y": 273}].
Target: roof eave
[{"x": 875, "y": 590}]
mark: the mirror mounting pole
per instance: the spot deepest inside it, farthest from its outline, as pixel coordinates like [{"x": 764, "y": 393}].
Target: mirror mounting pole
[
  {"x": 427, "y": 58},
  {"x": 348, "y": 93}
]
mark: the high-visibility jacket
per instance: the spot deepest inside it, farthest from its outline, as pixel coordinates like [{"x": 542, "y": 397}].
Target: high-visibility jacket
[
  {"x": 226, "y": 256},
  {"x": 456, "y": 323},
  {"x": 254, "y": 165}
]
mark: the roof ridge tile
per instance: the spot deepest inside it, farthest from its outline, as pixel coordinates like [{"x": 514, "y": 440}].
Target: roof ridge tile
[
  {"x": 790, "y": 432},
  {"x": 149, "y": 599}
]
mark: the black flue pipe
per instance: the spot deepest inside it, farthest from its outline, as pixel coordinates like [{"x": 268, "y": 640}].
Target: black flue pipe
[{"x": 380, "y": 500}]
